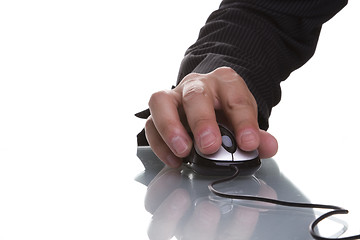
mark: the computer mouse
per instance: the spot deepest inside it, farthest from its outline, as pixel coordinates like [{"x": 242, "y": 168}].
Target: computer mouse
[{"x": 220, "y": 162}]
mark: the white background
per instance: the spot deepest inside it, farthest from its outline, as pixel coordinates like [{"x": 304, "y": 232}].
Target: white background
[{"x": 73, "y": 73}]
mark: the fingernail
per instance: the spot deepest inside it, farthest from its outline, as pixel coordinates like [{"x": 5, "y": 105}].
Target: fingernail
[
  {"x": 248, "y": 137},
  {"x": 179, "y": 145},
  {"x": 207, "y": 139}
]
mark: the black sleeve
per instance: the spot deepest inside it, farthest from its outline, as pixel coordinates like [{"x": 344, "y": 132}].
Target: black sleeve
[{"x": 262, "y": 40}]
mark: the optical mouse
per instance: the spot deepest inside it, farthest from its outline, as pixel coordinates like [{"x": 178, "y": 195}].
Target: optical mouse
[{"x": 219, "y": 163}]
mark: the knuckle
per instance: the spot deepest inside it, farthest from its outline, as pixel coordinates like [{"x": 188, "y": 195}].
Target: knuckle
[
  {"x": 193, "y": 89},
  {"x": 227, "y": 74},
  {"x": 157, "y": 97},
  {"x": 190, "y": 76},
  {"x": 224, "y": 69}
]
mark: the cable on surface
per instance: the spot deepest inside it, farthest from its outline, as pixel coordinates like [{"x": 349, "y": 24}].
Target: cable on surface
[{"x": 335, "y": 209}]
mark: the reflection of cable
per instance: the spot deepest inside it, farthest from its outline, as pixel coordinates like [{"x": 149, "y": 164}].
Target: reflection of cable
[{"x": 336, "y": 210}]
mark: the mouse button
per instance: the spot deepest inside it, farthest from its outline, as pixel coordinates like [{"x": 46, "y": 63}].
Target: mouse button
[
  {"x": 240, "y": 155},
  {"x": 220, "y": 155}
]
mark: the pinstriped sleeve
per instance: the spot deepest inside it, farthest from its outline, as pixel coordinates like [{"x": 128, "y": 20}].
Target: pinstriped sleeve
[{"x": 262, "y": 40}]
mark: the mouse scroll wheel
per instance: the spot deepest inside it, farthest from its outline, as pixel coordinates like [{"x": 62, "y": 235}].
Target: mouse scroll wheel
[
  {"x": 228, "y": 144},
  {"x": 228, "y": 140}
]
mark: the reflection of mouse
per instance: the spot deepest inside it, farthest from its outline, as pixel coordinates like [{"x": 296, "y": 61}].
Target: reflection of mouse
[{"x": 229, "y": 154}]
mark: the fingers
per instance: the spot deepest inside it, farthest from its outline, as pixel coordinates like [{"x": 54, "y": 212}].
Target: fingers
[
  {"x": 159, "y": 147},
  {"x": 240, "y": 108},
  {"x": 164, "y": 129},
  {"x": 196, "y": 99},
  {"x": 198, "y": 105}
]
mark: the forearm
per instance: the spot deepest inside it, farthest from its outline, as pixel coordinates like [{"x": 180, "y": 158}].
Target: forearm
[{"x": 262, "y": 40}]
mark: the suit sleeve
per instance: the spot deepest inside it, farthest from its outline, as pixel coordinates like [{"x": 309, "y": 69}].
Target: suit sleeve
[{"x": 262, "y": 40}]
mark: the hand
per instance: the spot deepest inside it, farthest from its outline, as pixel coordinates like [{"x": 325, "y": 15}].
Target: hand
[{"x": 196, "y": 104}]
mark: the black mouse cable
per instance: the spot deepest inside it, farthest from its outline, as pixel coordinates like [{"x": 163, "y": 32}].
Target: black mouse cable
[{"x": 313, "y": 225}]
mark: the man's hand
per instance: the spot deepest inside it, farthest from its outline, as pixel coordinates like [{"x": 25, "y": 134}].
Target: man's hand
[{"x": 197, "y": 104}]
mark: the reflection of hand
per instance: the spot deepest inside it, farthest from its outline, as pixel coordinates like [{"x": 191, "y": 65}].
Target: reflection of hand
[
  {"x": 175, "y": 213},
  {"x": 205, "y": 223},
  {"x": 167, "y": 203},
  {"x": 194, "y": 101},
  {"x": 167, "y": 217}
]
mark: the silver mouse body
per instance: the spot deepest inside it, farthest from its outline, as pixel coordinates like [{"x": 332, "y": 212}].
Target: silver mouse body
[{"x": 220, "y": 162}]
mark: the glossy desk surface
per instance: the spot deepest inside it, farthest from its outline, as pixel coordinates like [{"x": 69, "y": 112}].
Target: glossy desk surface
[
  {"x": 182, "y": 206},
  {"x": 73, "y": 73}
]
